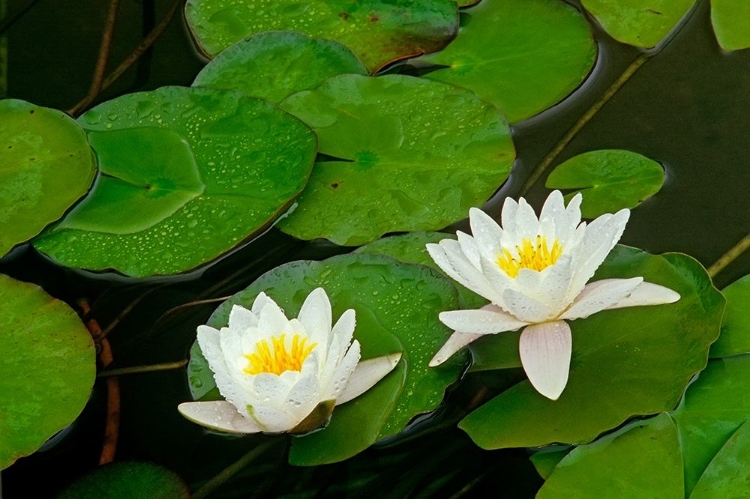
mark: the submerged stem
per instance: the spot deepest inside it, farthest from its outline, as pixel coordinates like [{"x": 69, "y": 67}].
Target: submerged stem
[
  {"x": 166, "y": 366},
  {"x": 729, "y": 256},
  {"x": 227, "y": 473}
]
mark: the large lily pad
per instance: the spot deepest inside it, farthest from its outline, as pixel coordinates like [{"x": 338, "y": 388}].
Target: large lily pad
[
  {"x": 378, "y": 31},
  {"x": 641, "y": 460},
  {"x": 609, "y": 180},
  {"x": 643, "y": 23},
  {"x": 46, "y": 165},
  {"x": 728, "y": 473},
  {"x": 126, "y": 480},
  {"x": 735, "y": 329},
  {"x": 396, "y": 306},
  {"x": 47, "y": 368},
  {"x": 626, "y": 362},
  {"x": 731, "y": 22},
  {"x": 187, "y": 173},
  {"x": 524, "y": 56},
  {"x": 277, "y": 64},
  {"x": 414, "y": 155}
]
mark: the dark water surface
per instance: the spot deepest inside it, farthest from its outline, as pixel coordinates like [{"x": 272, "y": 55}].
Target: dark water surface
[{"x": 688, "y": 107}]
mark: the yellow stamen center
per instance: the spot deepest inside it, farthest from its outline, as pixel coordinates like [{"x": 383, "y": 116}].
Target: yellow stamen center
[
  {"x": 535, "y": 256},
  {"x": 275, "y": 358}
]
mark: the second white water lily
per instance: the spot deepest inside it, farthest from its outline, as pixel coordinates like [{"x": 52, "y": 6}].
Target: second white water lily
[
  {"x": 281, "y": 375},
  {"x": 535, "y": 272}
]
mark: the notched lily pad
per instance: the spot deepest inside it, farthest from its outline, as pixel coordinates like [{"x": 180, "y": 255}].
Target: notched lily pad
[
  {"x": 126, "y": 480},
  {"x": 413, "y": 155},
  {"x": 524, "y": 56},
  {"x": 46, "y": 165},
  {"x": 377, "y": 31},
  {"x": 187, "y": 173},
  {"x": 397, "y": 307},
  {"x": 47, "y": 368},
  {"x": 609, "y": 180},
  {"x": 626, "y": 362},
  {"x": 277, "y": 64}
]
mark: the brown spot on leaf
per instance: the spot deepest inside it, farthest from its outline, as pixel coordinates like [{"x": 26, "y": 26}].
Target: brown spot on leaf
[
  {"x": 344, "y": 15},
  {"x": 373, "y": 18},
  {"x": 335, "y": 185}
]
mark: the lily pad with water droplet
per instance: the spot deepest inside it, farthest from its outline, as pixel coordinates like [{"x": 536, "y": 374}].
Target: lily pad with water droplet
[
  {"x": 377, "y": 31},
  {"x": 127, "y": 480},
  {"x": 412, "y": 155},
  {"x": 625, "y": 362},
  {"x": 46, "y": 165},
  {"x": 524, "y": 56},
  {"x": 47, "y": 368},
  {"x": 609, "y": 180},
  {"x": 643, "y": 23},
  {"x": 735, "y": 328},
  {"x": 397, "y": 307},
  {"x": 731, "y": 22},
  {"x": 187, "y": 174},
  {"x": 277, "y": 64}
]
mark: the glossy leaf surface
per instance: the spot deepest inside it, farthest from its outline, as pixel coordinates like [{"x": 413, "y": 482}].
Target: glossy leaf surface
[
  {"x": 731, "y": 22},
  {"x": 735, "y": 328},
  {"x": 127, "y": 480}
]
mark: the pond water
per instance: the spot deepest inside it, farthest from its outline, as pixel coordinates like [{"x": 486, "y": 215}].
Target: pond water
[{"x": 688, "y": 107}]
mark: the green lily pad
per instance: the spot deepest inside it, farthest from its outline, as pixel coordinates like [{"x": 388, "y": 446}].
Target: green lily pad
[
  {"x": 715, "y": 407},
  {"x": 735, "y": 329},
  {"x": 397, "y": 307},
  {"x": 643, "y": 23},
  {"x": 625, "y": 362},
  {"x": 47, "y": 368},
  {"x": 728, "y": 473},
  {"x": 378, "y": 31},
  {"x": 524, "y": 56},
  {"x": 731, "y": 22},
  {"x": 546, "y": 459},
  {"x": 609, "y": 180},
  {"x": 641, "y": 460},
  {"x": 46, "y": 165},
  {"x": 126, "y": 480},
  {"x": 187, "y": 174},
  {"x": 411, "y": 248},
  {"x": 414, "y": 155},
  {"x": 276, "y": 64}
]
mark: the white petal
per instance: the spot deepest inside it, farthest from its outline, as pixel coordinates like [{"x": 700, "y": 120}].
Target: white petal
[
  {"x": 469, "y": 248},
  {"x": 241, "y": 318},
  {"x": 525, "y": 308},
  {"x": 498, "y": 281},
  {"x": 260, "y": 303},
  {"x": 527, "y": 224},
  {"x": 272, "y": 321},
  {"x": 549, "y": 286},
  {"x": 315, "y": 314},
  {"x": 508, "y": 215},
  {"x": 599, "y": 295},
  {"x": 553, "y": 206},
  {"x": 367, "y": 373},
  {"x": 455, "y": 264},
  {"x": 209, "y": 342},
  {"x": 648, "y": 293},
  {"x": 273, "y": 420},
  {"x": 343, "y": 373},
  {"x": 567, "y": 222},
  {"x": 455, "y": 343},
  {"x": 218, "y": 415},
  {"x": 487, "y": 233},
  {"x": 270, "y": 389},
  {"x": 483, "y": 321},
  {"x": 343, "y": 330},
  {"x": 303, "y": 397},
  {"x": 545, "y": 355}
]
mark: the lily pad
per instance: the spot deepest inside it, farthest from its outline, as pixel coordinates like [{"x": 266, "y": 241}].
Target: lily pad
[
  {"x": 643, "y": 23},
  {"x": 728, "y": 473},
  {"x": 378, "y": 31},
  {"x": 187, "y": 174},
  {"x": 609, "y": 180},
  {"x": 397, "y": 307},
  {"x": 413, "y": 155},
  {"x": 735, "y": 329},
  {"x": 641, "y": 460},
  {"x": 524, "y": 56},
  {"x": 47, "y": 368},
  {"x": 625, "y": 362},
  {"x": 277, "y": 64},
  {"x": 125, "y": 480},
  {"x": 46, "y": 165},
  {"x": 546, "y": 459},
  {"x": 731, "y": 22}
]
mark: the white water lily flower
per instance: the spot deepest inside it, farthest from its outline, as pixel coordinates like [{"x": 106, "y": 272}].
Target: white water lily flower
[
  {"x": 534, "y": 271},
  {"x": 282, "y": 375}
]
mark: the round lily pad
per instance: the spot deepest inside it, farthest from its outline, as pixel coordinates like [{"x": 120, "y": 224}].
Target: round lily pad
[
  {"x": 412, "y": 154},
  {"x": 735, "y": 329},
  {"x": 397, "y": 307},
  {"x": 524, "y": 56},
  {"x": 643, "y": 23},
  {"x": 126, "y": 480},
  {"x": 625, "y": 362},
  {"x": 609, "y": 180},
  {"x": 731, "y": 22},
  {"x": 276, "y": 64},
  {"x": 187, "y": 173},
  {"x": 47, "y": 368},
  {"x": 378, "y": 31},
  {"x": 46, "y": 165}
]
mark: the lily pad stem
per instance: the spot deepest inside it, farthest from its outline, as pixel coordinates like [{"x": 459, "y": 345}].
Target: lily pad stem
[
  {"x": 227, "y": 473},
  {"x": 729, "y": 256},
  {"x": 167, "y": 366}
]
